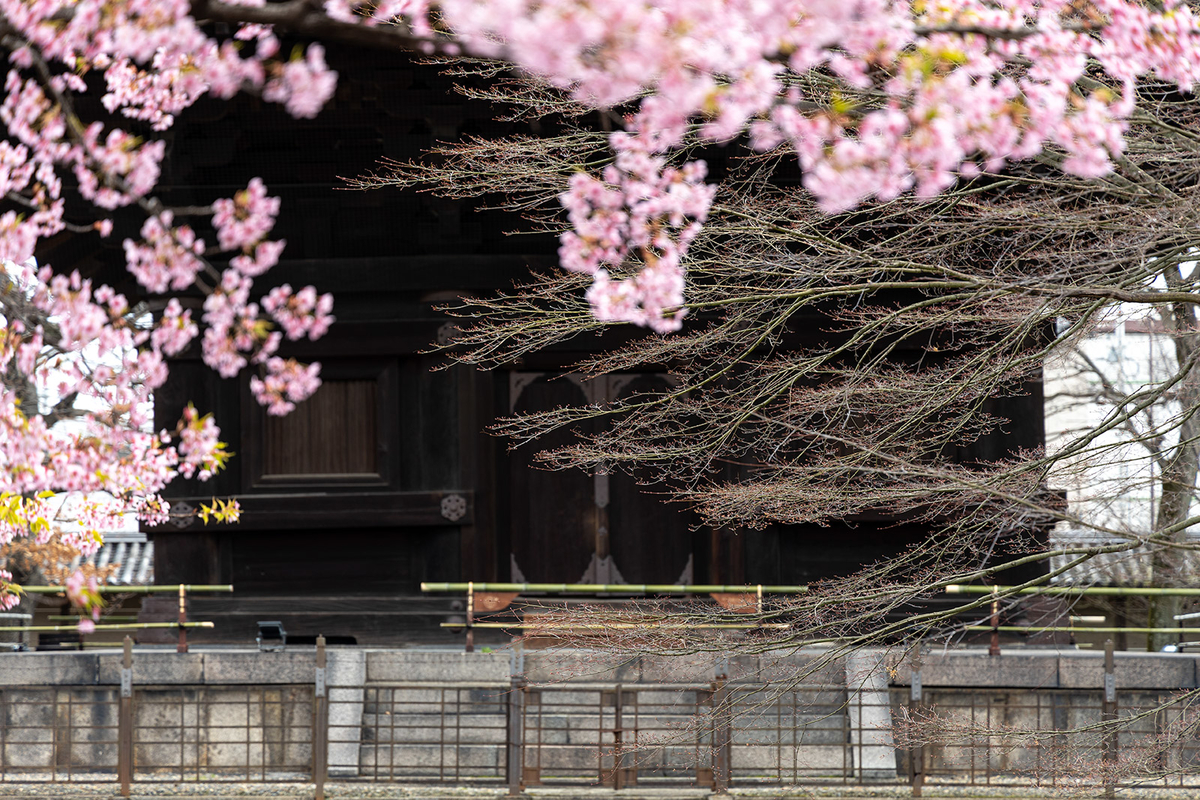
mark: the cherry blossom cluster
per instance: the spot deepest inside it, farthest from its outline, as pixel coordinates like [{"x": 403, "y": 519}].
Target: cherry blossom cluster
[
  {"x": 302, "y": 313},
  {"x": 286, "y": 383},
  {"x": 8, "y": 598},
  {"x": 245, "y": 219},
  {"x": 639, "y": 206},
  {"x": 201, "y": 451},
  {"x": 925, "y": 92},
  {"x": 90, "y": 346},
  {"x": 236, "y": 333},
  {"x": 167, "y": 257},
  {"x": 71, "y": 342},
  {"x": 84, "y": 593}
]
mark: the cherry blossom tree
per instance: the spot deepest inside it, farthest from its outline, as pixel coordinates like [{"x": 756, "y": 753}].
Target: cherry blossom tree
[{"x": 80, "y": 361}]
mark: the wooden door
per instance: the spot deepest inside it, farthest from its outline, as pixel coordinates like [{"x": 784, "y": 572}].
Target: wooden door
[
  {"x": 571, "y": 526},
  {"x": 650, "y": 537}
]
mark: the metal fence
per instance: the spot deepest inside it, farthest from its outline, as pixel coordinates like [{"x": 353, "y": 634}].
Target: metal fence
[
  {"x": 1075, "y": 747},
  {"x": 608, "y": 734},
  {"x": 227, "y": 733}
]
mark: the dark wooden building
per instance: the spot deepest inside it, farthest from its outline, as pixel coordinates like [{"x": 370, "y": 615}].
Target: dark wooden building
[{"x": 386, "y": 477}]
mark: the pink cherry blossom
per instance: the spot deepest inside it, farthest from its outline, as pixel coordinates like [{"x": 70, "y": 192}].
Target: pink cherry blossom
[
  {"x": 247, "y": 218},
  {"x": 8, "y": 598},
  {"x": 167, "y": 257},
  {"x": 303, "y": 85},
  {"x": 175, "y": 330},
  {"x": 302, "y": 314},
  {"x": 286, "y": 383},
  {"x": 642, "y": 211}
]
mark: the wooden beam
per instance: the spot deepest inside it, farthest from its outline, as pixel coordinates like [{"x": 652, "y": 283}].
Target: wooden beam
[{"x": 338, "y": 509}]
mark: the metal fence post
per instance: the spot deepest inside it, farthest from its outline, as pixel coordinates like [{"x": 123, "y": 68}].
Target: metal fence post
[
  {"x": 1108, "y": 713},
  {"x": 470, "y": 617},
  {"x": 994, "y": 644},
  {"x": 623, "y": 776},
  {"x": 320, "y": 737},
  {"x": 182, "y": 645},
  {"x": 721, "y": 735},
  {"x": 516, "y": 737},
  {"x": 125, "y": 721},
  {"x": 916, "y": 756}
]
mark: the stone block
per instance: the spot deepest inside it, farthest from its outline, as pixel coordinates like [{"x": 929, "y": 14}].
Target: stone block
[
  {"x": 166, "y": 746},
  {"x": 255, "y": 667},
  {"x": 805, "y": 667},
  {"x": 438, "y": 700},
  {"x": 561, "y": 699},
  {"x": 382, "y": 731},
  {"x": 669, "y": 762},
  {"x": 29, "y": 750},
  {"x": 427, "y": 760},
  {"x": 767, "y": 760},
  {"x": 870, "y": 713},
  {"x": 48, "y": 669},
  {"x": 1165, "y": 671},
  {"x": 579, "y": 666},
  {"x": 680, "y": 669},
  {"x": 247, "y": 728},
  {"x": 667, "y": 701},
  {"x": 154, "y": 668},
  {"x": 417, "y": 665},
  {"x": 570, "y": 760},
  {"x": 1168, "y": 671},
  {"x": 345, "y": 667},
  {"x": 976, "y": 668},
  {"x": 345, "y": 674},
  {"x": 742, "y": 668},
  {"x": 1080, "y": 670}
]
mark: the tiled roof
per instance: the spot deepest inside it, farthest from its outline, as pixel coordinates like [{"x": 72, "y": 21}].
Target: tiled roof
[
  {"x": 132, "y": 551},
  {"x": 1114, "y": 569}
]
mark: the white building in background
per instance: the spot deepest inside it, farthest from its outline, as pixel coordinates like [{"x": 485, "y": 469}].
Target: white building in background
[{"x": 1116, "y": 484}]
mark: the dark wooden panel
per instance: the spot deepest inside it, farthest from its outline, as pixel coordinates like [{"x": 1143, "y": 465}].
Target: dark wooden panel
[
  {"x": 346, "y": 437},
  {"x": 429, "y": 425},
  {"x": 477, "y": 454},
  {"x": 795, "y": 554},
  {"x": 344, "y": 562},
  {"x": 332, "y": 433},
  {"x": 186, "y": 557}
]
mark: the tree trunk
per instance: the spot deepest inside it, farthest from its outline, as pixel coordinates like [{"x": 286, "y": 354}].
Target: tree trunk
[{"x": 1178, "y": 475}]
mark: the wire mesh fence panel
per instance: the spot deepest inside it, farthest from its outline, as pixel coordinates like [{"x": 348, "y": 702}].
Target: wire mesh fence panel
[
  {"x": 666, "y": 736},
  {"x": 223, "y": 733},
  {"x": 58, "y": 734},
  {"x": 568, "y": 733},
  {"x": 1159, "y": 743},
  {"x": 1060, "y": 738},
  {"x": 437, "y": 733},
  {"x": 798, "y": 735},
  {"x": 617, "y": 735}
]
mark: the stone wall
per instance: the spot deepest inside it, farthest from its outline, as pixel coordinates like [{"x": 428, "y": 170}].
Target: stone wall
[{"x": 444, "y": 715}]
